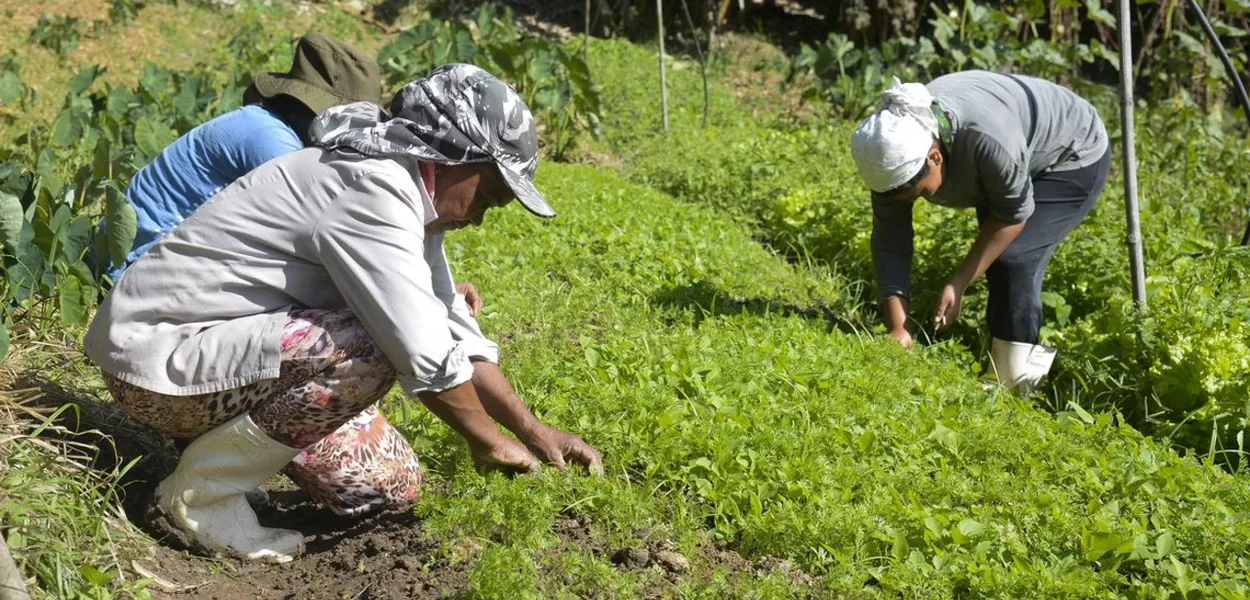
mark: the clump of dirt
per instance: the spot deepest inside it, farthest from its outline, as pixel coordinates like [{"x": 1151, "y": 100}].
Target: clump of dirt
[{"x": 664, "y": 555}]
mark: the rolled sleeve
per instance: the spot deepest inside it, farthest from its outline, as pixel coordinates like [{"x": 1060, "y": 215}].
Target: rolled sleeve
[
  {"x": 1004, "y": 177},
  {"x": 370, "y": 241},
  {"x": 892, "y": 247}
]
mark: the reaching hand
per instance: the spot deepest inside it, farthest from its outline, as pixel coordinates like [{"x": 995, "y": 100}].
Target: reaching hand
[
  {"x": 902, "y": 336},
  {"x": 471, "y": 297},
  {"x": 948, "y": 308},
  {"x": 556, "y": 447},
  {"x": 506, "y": 455}
]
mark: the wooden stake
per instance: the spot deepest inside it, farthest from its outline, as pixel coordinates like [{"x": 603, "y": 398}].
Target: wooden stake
[{"x": 659, "y": 20}]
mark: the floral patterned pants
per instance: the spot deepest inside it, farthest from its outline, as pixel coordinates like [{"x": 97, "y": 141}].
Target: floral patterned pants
[{"x": 323, "y": 401}]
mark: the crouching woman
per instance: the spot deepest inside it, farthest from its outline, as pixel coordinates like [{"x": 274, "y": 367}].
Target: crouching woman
[{"x": 268, "y": 324}]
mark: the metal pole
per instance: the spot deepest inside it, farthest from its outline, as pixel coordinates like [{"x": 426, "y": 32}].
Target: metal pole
[
  {"x": 1238, "y": 86},
  {"x": 659, "y": 19},
  {"x": 1131, "y": 217}
]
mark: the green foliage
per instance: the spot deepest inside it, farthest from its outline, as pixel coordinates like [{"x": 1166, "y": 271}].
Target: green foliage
[
  {"x": 62, "y": 210},
  {"x": 58, "y": 33},
  {"x": 550, "y": 76},
  {"x": 704, "y": 368},
  {"x": 12, "y": 88},
  {"x": 124, "y": 12}
]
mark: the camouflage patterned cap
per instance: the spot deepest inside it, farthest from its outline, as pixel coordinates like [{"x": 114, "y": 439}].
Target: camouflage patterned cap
[{"x": 455, "y": 115}]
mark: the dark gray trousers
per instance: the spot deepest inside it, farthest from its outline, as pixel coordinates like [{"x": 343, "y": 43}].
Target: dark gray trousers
[{"x": 1061, "y": 200}]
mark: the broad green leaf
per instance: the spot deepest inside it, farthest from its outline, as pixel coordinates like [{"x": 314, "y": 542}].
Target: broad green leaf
[
  {"x": 119, "y": 101},
  {"x": 120, "y": 221},
  {"x": 72, "y": 296},
  {"x": 11, "y": 87},
  {"x": 11, "y": 220},
  {"x": 543, "y": 66},
  {"x": 66, "y": 129},
  {"x": 102, "y": 160},
  {"x": 1165, "y": 544},
  {"x": 970, "y": 528},
  {"x": 151, "y": 135},
  {"x": 73, "y": 238},
  {"x": 83, "y": 80}
]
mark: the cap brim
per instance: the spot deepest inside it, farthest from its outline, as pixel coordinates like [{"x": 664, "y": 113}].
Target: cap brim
[
  {"x": 315, "y": 98},
  {"x": 527, "y": 194}
]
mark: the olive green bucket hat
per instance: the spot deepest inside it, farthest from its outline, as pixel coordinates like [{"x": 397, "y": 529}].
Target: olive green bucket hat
[{"x": 326, "y": 72}]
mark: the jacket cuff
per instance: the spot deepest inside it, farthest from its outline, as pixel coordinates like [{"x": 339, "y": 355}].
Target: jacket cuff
[{"x": 457, "y": 370}]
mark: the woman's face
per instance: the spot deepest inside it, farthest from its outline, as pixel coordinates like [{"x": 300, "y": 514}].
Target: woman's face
[
  {"x": 463, "y": 194},
  {"x": 929, "y": 184}
]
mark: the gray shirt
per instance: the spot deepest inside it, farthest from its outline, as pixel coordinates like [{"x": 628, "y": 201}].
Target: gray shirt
[
  {"x": 203, "y": 311},
  {"x": 1007, "y": 129}
]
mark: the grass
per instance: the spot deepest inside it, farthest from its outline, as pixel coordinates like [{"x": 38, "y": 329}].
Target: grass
[
  {"x": 61, "y": 518},
  {"x": 889, "y": 473}
]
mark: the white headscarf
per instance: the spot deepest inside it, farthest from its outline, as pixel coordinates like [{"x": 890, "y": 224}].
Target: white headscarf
[{"x": 890, "y": 147}]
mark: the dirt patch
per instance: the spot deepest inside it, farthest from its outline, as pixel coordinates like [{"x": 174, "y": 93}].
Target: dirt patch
[
  {"x": 382, "y": 557},
  {"x": 662, "y": 555}
]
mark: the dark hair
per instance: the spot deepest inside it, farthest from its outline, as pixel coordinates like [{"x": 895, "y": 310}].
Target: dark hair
[
  {"x": 911, "y": 183},
  {"x": 296, "y": 114}
]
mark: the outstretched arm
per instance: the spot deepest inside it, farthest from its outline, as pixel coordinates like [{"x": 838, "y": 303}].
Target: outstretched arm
[{"x": 554, "y": 446}]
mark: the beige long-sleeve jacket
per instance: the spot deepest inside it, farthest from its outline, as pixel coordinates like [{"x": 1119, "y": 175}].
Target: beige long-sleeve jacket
[{"x": 203, "y": 311}]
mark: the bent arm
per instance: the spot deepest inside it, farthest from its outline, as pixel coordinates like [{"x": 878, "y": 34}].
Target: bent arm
[{"x": 995, "y": 236}]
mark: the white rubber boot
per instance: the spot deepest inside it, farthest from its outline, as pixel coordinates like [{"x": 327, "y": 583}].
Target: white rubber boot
[
  {"x": 206, "y": 494},
  {"x": 1019, "y": 365}
]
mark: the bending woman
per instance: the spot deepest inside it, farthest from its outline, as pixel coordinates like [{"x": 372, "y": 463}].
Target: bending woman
[
  {"x": 1029, "y": 155},
  {"x": 272, "y": 319}
]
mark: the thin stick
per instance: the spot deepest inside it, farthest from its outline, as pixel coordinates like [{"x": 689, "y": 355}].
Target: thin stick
[
  {"x": 1131, "y": 215},
  {"x": 694, "y": 35},
  {"x": 11, "y": 585},
  {"x": 586, "y": 37},
  {"x": 659, "y": 20}
]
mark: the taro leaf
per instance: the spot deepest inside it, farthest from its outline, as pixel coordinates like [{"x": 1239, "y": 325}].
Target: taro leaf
[
  {"x": 119, "y": 218},
  {"x": 552, "y": 97},
  {"x": 187, "y": 100},
  {"x": 154, "y": 80},
  {"x": 4, "y": 341},
  {"x": 151, "y": 135},
  {"x": 11, "y": 221},
  {"x": 74, "y": 237},
  {"x": 120, "y": 100},
  {"x": 66, "y": 129},
  {"x": 26, "y": 273},
  {"x": 73, "y": 297},
  {"x": 543, "y": 66},
  {"x": 102, "y": 161},
  {"x": 11, "y": 87},
  {"x": 83, "y": 80}
]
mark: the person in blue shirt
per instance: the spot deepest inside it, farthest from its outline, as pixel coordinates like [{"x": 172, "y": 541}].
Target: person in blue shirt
[{"x": 279, "y": 108}]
